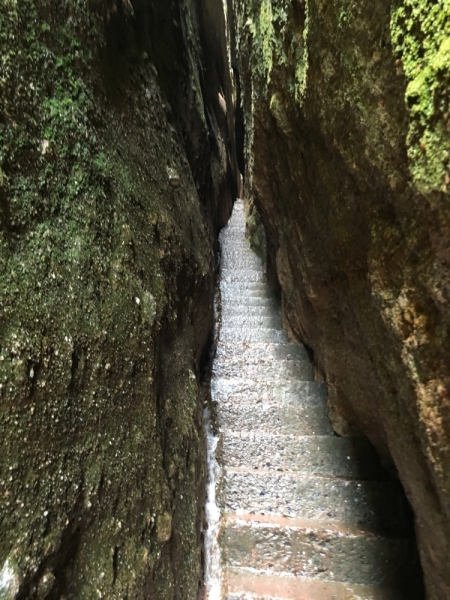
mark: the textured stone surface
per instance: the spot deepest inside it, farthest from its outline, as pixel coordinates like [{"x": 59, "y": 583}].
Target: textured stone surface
[
  {"x": 347, "y": 148},
  {"x": 115, "y": 173},
  {"x": 296, "y": 500}
]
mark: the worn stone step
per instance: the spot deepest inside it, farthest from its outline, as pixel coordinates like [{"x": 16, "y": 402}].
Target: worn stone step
[
  {"x": 244, "y": 276},
  {"x": 255, "y": 322},
  {"x": 244, "y": 285},
  {"x": 308, "y": 549},
  {"x": 245, "y": 584},
  {"x": 265, "y": 391},
  {"x": 266, "y": 301},
  {"x": 244, "y": 296},
  {"x": 234, "y": 334},
  {"x": 243, "y": 310},
  {"x": 375, "y": 505},
  {"x": 260, "y": 351},
  {"x": 265, "y": 418},
  {"x": 240, "y": 263},
  {"x": 328, "y": 456},
  {"x": 232, "y": 366}
]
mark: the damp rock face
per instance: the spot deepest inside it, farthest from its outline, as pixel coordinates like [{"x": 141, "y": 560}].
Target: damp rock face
[
  {"x": 347, "y": 147},
  {"x": 109, "y": 206}
]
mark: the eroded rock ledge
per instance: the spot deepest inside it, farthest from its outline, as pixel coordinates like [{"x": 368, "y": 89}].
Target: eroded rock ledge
[
  {"x": 347, "y": 145},
  {"x": 116, "y": 170}
]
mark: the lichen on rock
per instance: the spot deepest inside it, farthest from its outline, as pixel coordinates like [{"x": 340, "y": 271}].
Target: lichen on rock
[{"x": 421, "y": 38}]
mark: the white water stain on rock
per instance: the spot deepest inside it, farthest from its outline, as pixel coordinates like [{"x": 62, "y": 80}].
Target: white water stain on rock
[
  {"x": 213, "y": 570},
  {"x": 9, "y": 581}
]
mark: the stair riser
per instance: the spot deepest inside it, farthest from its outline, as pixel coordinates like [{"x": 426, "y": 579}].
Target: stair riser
[
  {"x": 376, "y": 505},
  {"x": 243, "y": 277},
  {"x": 300, "y": 370},
  {"x": 301, "y": 420},
  {"x": 248, "y": 322},
  {"x": 239, "y": 301},
  {"x": 263, "y": 391},
  {"x": 320, "y": 555},
  {"x": 242, "y": 310},
  {"x": 260, "y": 351},
  {"x": 233, "y": 334}
]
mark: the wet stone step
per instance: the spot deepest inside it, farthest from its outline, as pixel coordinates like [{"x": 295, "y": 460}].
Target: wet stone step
[
  {"x": 246, "y": 584},
  {"x": 240, "y": 391},
  {"x": 313, "y": 552},
  {"x": 328, "y": 456},
  {"x": 228, "y": 291},
  {"x": 232, "y": 286},
  {"x": 237, "y": 263},
  {"x": 242, "y": 310},
  {"x": 266, "y": 301},
  {"x": 274, "y": 419},
  {"x": 375, "y": 505},
  {"x": 282, "y": 369},
  {"x": 244, "y": 296},
  {"x": 260, "y": 351},
  {"x": 243, "y": 321},
  {"x": 243, "y": 276},
  {"x": 230, "y": 334}
]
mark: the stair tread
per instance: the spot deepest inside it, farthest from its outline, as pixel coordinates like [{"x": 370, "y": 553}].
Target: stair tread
[
  {"x": 327, "y": 455},
  {"x": 261, "y": 350},
  {"x": 371, "y": 504},
  {"x": 247, "y": 585}
]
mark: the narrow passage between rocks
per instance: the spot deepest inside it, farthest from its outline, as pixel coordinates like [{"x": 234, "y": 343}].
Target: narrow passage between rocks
[{"x": 305, "y": 514}]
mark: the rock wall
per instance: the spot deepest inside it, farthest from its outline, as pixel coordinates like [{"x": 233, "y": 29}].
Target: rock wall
[
  {"x": 347, "y": 148},
  {"x": 116, "y": 170}
]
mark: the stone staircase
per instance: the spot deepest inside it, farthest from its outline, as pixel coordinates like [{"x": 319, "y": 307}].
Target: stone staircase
[{"x": 306, "y": 515}]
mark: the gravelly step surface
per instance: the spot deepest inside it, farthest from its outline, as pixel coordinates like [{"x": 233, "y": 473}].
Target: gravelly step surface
[
  {"x": 261, "y": 586},
  {"x": 368, "y": 504},
  {"x": 306, "y": 515},
  {"x": 283, "y": 369},
  {"x": 254, "y": 322},
  {"x": 310, "y": 551},
  {"x": 234, "y": 390},
  {"x": 328, "y": 455},
  {"x": 251, "y": 352},
  {"x": 305, "y": 419}
]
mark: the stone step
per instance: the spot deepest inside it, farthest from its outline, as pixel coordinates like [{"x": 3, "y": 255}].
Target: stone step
[
  {"x": 266, "y": 301},
  {"x": 244, "y": 276},
  {"x": 244, "y": 296},
  {"x": 308, "y": 549},
  {"x": 245, "y": 584},
  {"x": 371, "y": 505},
  {"x": 233, "y": 367},
  {"x": 243, "y": 310},
  {"x": 239, "y": 263},
  {"x": 328, "y": 456},
  {"x": 238, "y": 252},
  {"x": 255, "y": 322},
  {"x": 264, "y": 418},
  {"x": 235, "y": 334},
  {"x": 236, "y": 242},
  {"x": 235, "y": 231},
  {"x": 232, "y": 287},
  {"x": 258, "y": 393},
  {"x": 260, "y": 351}
]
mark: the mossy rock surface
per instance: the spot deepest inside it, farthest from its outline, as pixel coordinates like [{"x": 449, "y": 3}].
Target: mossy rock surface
[{"x": 106, "y": 284}]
